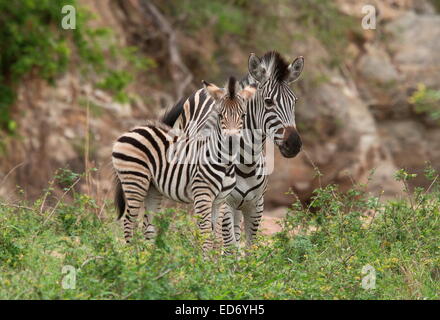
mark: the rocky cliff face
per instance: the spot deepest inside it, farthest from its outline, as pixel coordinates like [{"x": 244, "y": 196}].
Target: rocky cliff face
[
  {"x": 355, "y": 120},
  {"x": 361, "y": 119}
]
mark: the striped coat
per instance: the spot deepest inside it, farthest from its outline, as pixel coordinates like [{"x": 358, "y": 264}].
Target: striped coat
[
  {"x": 270, "y": 114},
  {"x": 152, "y": 161}
]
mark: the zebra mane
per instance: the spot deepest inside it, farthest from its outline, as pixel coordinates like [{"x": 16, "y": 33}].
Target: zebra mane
[
  {"x": 276, "y": 65},
  {"x": 157, "y": 124},
  {"x": 171, "y": 115},
  {"x": 231, "y": 85}
]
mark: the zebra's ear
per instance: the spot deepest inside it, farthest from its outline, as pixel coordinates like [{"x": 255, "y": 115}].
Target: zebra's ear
[
  {"x": 215, "y": 92},
  {"x": 256, "y": 70},
  {"x": 248, "y": 92},
  {"x": 295, "y": 69}
]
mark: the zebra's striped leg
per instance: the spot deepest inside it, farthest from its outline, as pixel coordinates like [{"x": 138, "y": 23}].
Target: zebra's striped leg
[
  {"x": 153, "y": 203},
  {"x": 216, "y": 218},
  {"x": 252, "y": 217},
  {"x": 135, "y": 191},
  {"x": 238, "y": 218},
  {"x": 219, "y": 224},
  {"x": 130, "y": 218},
  {"x": 229, "y": 239},
  {"x": 203, "y": 206}
]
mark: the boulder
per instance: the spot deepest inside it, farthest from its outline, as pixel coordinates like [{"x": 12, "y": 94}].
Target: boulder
[
  {"x": 341, "y": 141},
  {"x": 413, "y": 42}
]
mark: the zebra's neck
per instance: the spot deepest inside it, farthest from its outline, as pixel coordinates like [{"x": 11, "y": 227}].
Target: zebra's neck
[{"x": 254, "y": 137}]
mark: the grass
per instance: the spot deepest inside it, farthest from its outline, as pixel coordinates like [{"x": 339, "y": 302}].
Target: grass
[{"x": 319, "y": 254}]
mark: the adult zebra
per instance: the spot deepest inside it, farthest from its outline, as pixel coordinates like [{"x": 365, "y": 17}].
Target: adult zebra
[
  {"x": 271, "y": 113},
  {"x": 152, "y": 161}
]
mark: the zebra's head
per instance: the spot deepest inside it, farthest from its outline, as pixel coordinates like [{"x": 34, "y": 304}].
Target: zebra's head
[
  {"x": 230, "y": 105},
  {"x": 274, "y": 102}
]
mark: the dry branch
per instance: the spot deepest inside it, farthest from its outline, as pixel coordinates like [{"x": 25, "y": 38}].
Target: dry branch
[{"x": 180, "y": 73}]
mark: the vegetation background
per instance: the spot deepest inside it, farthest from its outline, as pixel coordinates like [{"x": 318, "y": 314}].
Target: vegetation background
[{"x": 364, "y": 191}]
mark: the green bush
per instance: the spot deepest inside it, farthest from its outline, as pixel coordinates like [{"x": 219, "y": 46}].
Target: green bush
[
  {"x": 324, "y": 20},
  {"x": 252, "y": 24},
  {"x": 426, "y": 101},
  {"x": 32, "y": 42},
  {"x": 227, "y": 17},
  {"x": 319, "y": 254},
  {"x": 267, "y": 25}
]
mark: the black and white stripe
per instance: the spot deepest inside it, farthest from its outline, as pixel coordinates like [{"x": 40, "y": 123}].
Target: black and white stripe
[
  {"x": 152, "y": 161},
  {"x": 270, "y": 113}
]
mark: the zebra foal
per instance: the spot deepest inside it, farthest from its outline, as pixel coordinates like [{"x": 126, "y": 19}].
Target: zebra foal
[{"x": 153, "y": 161}]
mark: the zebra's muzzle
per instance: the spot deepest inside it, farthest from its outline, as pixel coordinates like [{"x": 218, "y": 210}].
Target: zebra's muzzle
[
  {"x": 232, "y": 132},
  {"x": 291, "y": 144}
]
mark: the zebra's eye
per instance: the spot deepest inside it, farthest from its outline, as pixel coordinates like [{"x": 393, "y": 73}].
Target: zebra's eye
[
  {"x": 243, "y": 115},
  {"x": 268, "y": 102},
  {"x": 220, "y": 116}
]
